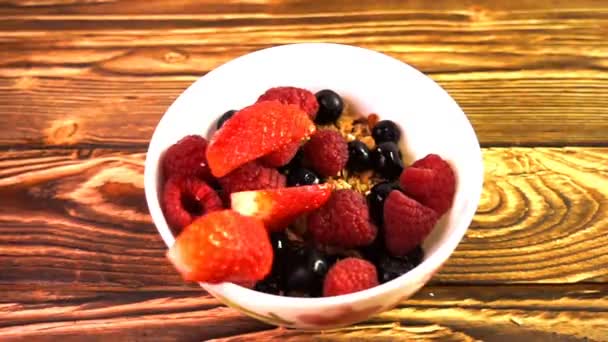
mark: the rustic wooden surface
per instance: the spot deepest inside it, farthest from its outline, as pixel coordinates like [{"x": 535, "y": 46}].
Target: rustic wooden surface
[{"x": 83, "y": 83}]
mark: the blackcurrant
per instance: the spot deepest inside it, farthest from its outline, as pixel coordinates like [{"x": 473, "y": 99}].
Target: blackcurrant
[
  {"x": 390, "y": 267},
  {"x": 302, "y": 176},
  {"x": 270, "y": 285},
  {"x": 225, "y": 117},
  {"x": 376, "y": 198},
  {"x": 386, "y": 130},
  {"x": 330, "y": 106},
  {"x": 386, "y": 159},
  {"x": 358, "y": 156},
  {"x": 306, "y": 271}
]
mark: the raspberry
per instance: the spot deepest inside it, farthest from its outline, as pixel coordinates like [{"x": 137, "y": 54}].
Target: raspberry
[
  {"x": 343, "y": 221},
  {"x": 281, "y": 157},
  {"x": 185, "y": 198},
  {"x": 431, "y": 181},
  {"x": 295, "y": 96},
  {"x": 187, "y": 158},
  {"x": 349, "y": 275},
  {"x": 327, "y": 152},
  {"x": 406, "y": 223},
  {"x": 251, "y": 176},
  {"x": 223, "y": 246}
]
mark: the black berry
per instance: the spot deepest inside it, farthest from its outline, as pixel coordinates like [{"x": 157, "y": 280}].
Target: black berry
[
  {"x": 390, "y": 267},
  {"x": 417, "y": 255},
  {"x": 358, "y": 156},
  {"x": 330, "y": 106},
  {"x": 376, "y": 198},
  {"x": 280, "y": 246},
  {"x": 300, "y": 294},
  {"x": 318, "y": 263},
  {"x": 302, "y": 176},
  {"x": 270, "y": 285},
  {"x": 300, "y": 279},
  {"x": 386, "y": 130},
  {"x": 306, "y": 271},
  {"x": 376, "y": 249},
  {"x": 295, "y": 163},
  {"x": 225, "y": 117},
  {"x": 386, "y": 159}
]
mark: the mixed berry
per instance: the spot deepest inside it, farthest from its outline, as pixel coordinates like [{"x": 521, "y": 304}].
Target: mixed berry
[{"x": 297, "y": 195}]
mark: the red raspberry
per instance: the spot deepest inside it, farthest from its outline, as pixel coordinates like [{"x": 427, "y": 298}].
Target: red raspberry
[
  {"x": 223, "y": 246},
  {"x": 406, "y": 223},
  {"x": 431, "y": 181},
  {"x": 251, "y": 176},
  {"x": 295, "y": 96},
  {"x": 327, "y": 152},
  {"x": 349, "y": 275},
  {"x": 281, "y": 157},
  {"x": 343, "y": 221},
  {"x": 187, "y": 158},
  {"x": 185, "y": 198}
]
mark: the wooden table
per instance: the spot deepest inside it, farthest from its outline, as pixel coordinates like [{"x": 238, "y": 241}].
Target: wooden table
[{"x": 84, "y": 82}]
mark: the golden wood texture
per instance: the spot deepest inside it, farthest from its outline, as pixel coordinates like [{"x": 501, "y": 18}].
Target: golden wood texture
[
  {"x": 542, "y": 219},
  {"x": 84, "y": 82},
  {"x": 525, "y": 73},
  {"x": 436, "y": 313}
]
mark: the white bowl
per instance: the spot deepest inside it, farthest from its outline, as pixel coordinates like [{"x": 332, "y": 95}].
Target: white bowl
[{"x": 430, "y": 120}]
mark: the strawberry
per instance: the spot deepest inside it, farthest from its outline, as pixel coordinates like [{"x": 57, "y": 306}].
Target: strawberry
[
  {"x": 255, "y": 131},
  {"x": 281, "y": 157},
  {"x": 223, "y": 246},
  {"x": 406, "y": 223},
  {"x": 277, "y": 208},
  {"x": 431, "y": 181}
]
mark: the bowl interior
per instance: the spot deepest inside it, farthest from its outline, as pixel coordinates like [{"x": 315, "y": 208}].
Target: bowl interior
[{"x": 430, "y": 120}]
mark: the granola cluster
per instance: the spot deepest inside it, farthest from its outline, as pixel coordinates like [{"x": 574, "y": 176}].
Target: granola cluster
[{"x": 355, "y": 126}]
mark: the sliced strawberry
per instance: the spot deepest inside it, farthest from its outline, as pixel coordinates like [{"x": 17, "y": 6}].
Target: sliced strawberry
[
  {"x": 281, "y": 157},
  {"x": 256, "y": 131},
  {"x": 406, "y": 223},
  {"x": 223, "y": 246},
  {"x": 277, "y": 208}
]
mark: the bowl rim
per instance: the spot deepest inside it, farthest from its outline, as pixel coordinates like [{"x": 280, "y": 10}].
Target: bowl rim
[{"x": 430, "y": 264}]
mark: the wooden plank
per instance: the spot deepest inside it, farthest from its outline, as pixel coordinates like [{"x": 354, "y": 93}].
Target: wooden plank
[
  {"x": 525, "y": 74},
  {"x": 436, "y": 313},
  {"x": 542, "y": 219},
  {"x": 85, "y": 217},
  {"x": 124, "y": 112},
  {"x": 180, "y": 326},
  {"x": 330, "y": 8}
]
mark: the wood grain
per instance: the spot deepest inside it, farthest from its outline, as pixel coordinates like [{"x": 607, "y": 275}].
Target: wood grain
[
  {"x": 525, "y": 74},
  {"x": 542, "y": 219},
  {"x": 85, "y": 219},
  {"x": 84, "y": 82},
  {"x": 437, "y": 313},
  {"x": 295, "y": 8}
]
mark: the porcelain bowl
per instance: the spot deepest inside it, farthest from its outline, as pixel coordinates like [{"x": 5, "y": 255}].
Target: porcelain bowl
[{"x": 430, "y": 120}]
